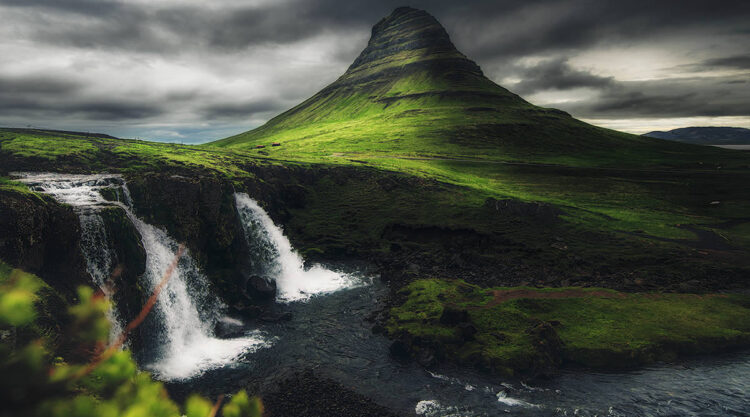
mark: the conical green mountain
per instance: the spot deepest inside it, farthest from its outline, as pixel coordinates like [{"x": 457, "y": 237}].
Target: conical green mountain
[{"x": 412, "y": 93}]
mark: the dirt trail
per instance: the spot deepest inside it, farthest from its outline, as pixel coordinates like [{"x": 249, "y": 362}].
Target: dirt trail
[{"x": 506, "y": 295}]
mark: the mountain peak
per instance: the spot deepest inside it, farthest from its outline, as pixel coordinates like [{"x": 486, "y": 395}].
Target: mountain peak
[{"x": 406, "y": 31}]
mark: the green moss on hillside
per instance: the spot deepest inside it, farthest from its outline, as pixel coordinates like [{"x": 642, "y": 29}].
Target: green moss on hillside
[
  {"x": 44, "y": 146},
  {"x": 517, "y": 329}
]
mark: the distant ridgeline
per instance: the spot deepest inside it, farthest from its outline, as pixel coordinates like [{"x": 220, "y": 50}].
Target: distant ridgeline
[{"x": 706, "y": 135}]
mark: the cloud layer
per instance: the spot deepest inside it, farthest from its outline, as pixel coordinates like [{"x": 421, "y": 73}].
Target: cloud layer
[{"x": 194, "y": 71}]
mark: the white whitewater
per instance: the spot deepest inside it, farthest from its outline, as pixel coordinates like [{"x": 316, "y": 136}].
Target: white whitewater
[
  {"x": 98, "y": 255},
  {"x": 185, "y": 311},
  {"x": 273, "y": 256}
]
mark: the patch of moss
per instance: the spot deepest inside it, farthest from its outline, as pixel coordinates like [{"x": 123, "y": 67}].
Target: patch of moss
[{"x": 516, "y": 329}]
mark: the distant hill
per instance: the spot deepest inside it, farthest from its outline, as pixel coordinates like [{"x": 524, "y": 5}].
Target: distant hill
[
  {"x": 48, "y": 132},
  {"x": 706, "y": 135},
  {"x": 411, "y": 93}
]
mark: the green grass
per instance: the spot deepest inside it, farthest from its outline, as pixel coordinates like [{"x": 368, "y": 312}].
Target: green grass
[
  {"x": 6, "y": 184},
  {"x": 77, "y": 152},
  {"x": 40, "y": 145},
  {"x": 598, "y": 328}
]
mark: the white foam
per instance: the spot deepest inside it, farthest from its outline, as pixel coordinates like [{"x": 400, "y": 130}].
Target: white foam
[
  {"x": 433, "y": 408},
  {"x": 200, "y": 353},
  {"x": 427, "y": 408},
  {"x": 75, "y": 190},
  {"x": 286, "y": 267},
  {"x": 186, "y": 311},
  {"x": 502, "y": 397}
]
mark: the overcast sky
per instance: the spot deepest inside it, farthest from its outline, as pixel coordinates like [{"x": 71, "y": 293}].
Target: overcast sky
[{"x": 193, "y": 70}]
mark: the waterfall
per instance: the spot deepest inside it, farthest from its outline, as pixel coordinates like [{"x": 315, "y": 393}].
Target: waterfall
[
  {"x": 185, "y": 313},
  {"x": 82, "y": 192},
  {"x": 273, "y": 257},
  {"x": 182, "y": 344},
  {"x": 98, "y": 255}
]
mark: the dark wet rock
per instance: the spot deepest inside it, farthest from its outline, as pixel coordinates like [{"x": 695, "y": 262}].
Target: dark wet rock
[
  {"x": 308, "y": 395},
  {"x": 452, "y": 316},
  {"x": 249, "y": 311},
  {"x": 276, "y": 317},
  {"x": 400, "y": 350},
  {"x": 112, "y": 194},
  {"x": 260, "y": 288},
  {"x": 426, "y": 358},
  {"x": 227, "y": 328}
]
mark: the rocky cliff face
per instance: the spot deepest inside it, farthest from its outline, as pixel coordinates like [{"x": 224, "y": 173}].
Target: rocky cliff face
[
  {"x": 41, "y": 236},
  {"x": 409, "y": 30}
]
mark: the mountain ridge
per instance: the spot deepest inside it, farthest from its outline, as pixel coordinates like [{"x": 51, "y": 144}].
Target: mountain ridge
[
  {"x": 411, "y": 93},
  {"x": 705, "y": 135}
]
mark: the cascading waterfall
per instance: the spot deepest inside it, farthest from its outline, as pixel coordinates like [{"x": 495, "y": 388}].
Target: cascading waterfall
[
  {"x": 274, "y": 257},
  {"x": 185, "y": 313},
  {"x": 82, "y": 192},
  {"x": 183, "y": 345},
  {"x": 98, "y": 255}
]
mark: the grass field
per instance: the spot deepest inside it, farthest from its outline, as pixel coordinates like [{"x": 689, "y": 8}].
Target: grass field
[{"x": 596, "y": 327}]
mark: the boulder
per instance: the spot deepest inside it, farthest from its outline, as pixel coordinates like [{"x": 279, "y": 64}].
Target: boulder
[
  {"x": 400, "y": 350},
  {"x": 227, "y": 327},
  {"x": 260, "y": 288},
  {"x": 452, "y": 316}
]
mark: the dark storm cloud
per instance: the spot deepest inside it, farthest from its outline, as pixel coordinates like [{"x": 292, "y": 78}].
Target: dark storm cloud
[
  {"x": 557, "y": 74},
  {"x": 517, "y": 27},
  {"x": 87, "y": 109},
  {"x": 246, "y": 110},
  {"x": 668, "y": 98},
  {"x": 219, "y": 37},
  {"x": 736, "y": 62},
  {"x": 45, "y": 96},
  {"x": 29, "y": 85}
]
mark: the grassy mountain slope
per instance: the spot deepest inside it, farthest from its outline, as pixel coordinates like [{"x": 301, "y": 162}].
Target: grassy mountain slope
[
  {"x": 411, "y": 93},
  {"x": 412, "y": 103}
]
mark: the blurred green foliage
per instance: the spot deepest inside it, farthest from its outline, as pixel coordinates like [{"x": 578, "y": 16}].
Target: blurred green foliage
[{"x": 36, "y": 382}]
